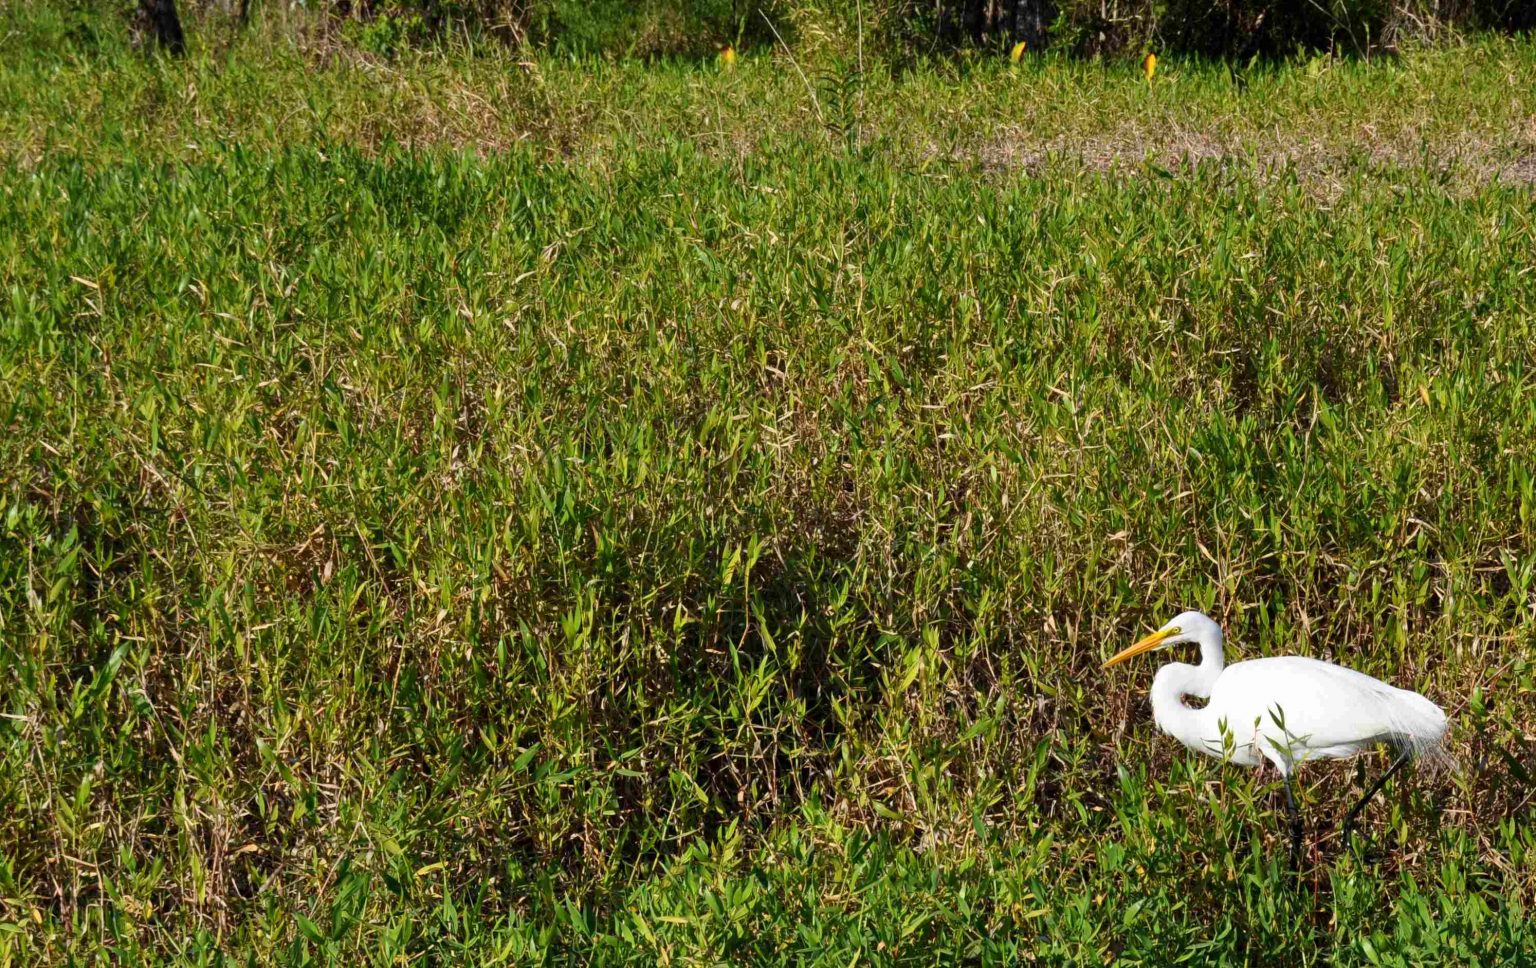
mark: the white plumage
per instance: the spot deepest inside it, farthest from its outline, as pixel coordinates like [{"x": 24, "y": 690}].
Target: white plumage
[
  {"x": 1306, "y": 709},
  {"x": 1287, "y": 709}
]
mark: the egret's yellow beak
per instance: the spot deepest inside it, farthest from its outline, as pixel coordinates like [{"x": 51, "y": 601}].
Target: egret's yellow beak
[{"x": 1145, "y": 645}]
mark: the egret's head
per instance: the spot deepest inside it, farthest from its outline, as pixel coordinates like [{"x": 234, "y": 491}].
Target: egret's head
[{"x": 1185, "y": 627}]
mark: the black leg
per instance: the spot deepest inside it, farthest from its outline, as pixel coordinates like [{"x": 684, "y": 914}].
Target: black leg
[
  {"x": 1349, "y": 819},
  {"x": 1295, "y": 814}
]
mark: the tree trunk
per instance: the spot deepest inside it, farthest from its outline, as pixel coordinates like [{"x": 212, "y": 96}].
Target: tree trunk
[
  {"x": 943, "y": 20},
  {"x": 160, "y": 16},
  {"x": 1030, "y": 21},
  {"x": 974, "y": 19},
  {"x": 977, "y": 21}
]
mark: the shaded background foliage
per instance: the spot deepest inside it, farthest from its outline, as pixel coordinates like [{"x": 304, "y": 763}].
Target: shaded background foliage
[{"x": 903, "y": 28}]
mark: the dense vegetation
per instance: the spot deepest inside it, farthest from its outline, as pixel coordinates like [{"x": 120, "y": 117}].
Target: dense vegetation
[
  {"x": 478, "y": 509},
  {"x": 902, "y": 29}
]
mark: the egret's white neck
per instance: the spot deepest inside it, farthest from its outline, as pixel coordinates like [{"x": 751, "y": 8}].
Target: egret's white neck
[{"x": 1176, "y": 680}]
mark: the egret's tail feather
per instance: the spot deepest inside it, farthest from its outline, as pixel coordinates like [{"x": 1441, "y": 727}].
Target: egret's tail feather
[{"x": 1419, "y": 728}]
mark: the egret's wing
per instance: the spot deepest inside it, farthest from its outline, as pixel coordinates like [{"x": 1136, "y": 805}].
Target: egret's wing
[{"x": 1314, "y": 706}]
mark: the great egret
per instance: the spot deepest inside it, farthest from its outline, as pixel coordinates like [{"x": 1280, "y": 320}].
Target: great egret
[{"x": 1286, "y": 709}]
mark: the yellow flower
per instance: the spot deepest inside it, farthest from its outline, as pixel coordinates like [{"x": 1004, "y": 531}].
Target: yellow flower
[
  {"x": 728, "y": 55},
  {"x": 1017, "y": 53},
  {"x": 1149, "y": 65}
]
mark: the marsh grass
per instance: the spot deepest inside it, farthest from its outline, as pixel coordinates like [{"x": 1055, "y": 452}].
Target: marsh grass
[
  {"x": 614, "y": 548},
  {"x": 1465, "y": 109}
]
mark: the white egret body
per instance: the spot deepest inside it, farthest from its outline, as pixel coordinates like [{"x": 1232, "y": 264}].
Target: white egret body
[{"x": 1286, "y": 709}]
